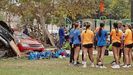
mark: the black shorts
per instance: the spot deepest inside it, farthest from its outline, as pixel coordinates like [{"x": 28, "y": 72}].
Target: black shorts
[
  {"x": 88, "y": 45},
  {"x": 129, "y": 46},
  {"x": 77, "y": 45},
  {"x": 116, "y": 44}
]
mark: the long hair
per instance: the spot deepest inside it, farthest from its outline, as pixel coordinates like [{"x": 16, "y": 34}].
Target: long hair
[
  {"x": 73, "y": 26},
  {"x": 100, "y": 30},
  {"x": 130, "y": 27},
  {"x": 87, "y": 26},
  {"x": 76, "y": 25},
  {"x": 115, "y": 25}
]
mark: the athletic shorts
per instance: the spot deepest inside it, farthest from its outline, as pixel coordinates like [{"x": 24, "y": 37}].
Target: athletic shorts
[
  {"x": 129, "y": 46},
  {"x": 77, "y": 45},
  {"x": 100, "y": 46},
  {"x": 88, "y": 45},
  {"x": 116, "y": 44}
]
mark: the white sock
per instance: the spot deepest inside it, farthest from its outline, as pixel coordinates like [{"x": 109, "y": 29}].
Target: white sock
[
  {"x": 91, "y": 62},
  {"x": 84, "y": 62},
  {"x": 75, "y": 62}
]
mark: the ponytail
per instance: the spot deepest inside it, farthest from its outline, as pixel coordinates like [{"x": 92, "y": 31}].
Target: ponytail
[
  {"x": 85, "y": 30},
  {"x": 130, "y": 27},
  {"x": 116, "y": 28},
  {"x": 100, "y": 30},
  {"x": 87, "y": 26}
]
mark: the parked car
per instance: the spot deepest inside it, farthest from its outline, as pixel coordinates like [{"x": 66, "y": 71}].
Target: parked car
[{"x": 26, "y": 43}]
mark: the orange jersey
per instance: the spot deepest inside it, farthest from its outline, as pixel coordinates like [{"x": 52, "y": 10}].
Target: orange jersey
[
  {"x": 116, "y": 37},
  {"x": 128, "y": 37},
  {"x": 87, "y": 37}
]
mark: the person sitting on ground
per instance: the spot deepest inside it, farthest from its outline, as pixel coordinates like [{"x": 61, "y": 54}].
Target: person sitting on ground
[{"x": 67, "y": 46}]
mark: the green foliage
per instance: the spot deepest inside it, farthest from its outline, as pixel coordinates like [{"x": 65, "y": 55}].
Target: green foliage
[
  {"x": 1, "y": 17},
  {"x": 64, "y": 8},
  {"x": 73, "y": 8},
  {"x": 118, "y": 8},
  {"x": 44, "y": 10},
  {"x": 54, "y": 20}
]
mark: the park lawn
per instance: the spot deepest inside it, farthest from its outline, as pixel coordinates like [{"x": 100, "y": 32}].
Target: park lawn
[{"x": 23, "y": 66}]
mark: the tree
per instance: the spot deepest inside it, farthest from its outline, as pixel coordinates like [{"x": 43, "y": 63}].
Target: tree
[
  {"x": 118, "y": 8},
  {"x": 28, "y": 11},
  {"x": 42, "y": 10},
  {"x": 73, "y": 8}
]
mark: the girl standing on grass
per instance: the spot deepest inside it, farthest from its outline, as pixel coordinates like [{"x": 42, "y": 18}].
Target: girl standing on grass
[
  {"x": 116, "y": 35},
  {"x": 87, "y": 39},
  {"x": 128, "y": 42},
  {"x": 76, "y": 42},
  {"x": 101, "y": 37}
]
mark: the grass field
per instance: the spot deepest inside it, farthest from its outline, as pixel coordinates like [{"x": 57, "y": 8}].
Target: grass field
[{"x": 23, "y": 66}]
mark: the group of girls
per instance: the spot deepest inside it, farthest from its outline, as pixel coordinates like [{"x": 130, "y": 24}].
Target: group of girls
[
  {"x": 84, "y": 40},
  {"x": 122, "y": 38}
]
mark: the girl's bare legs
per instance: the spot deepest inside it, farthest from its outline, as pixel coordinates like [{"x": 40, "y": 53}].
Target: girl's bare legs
[
  {"x": 98, "y": 55},
  {"x": 102, "y": 54},
  {"x": 84, "y": 57},
  {"x": 116, "y": 54},
  {"x": 76, "y": 54},
  {"x": 127, "y": 57},
  {"x": 90, "y": 54},
  {"x": 130, "y": 56}
]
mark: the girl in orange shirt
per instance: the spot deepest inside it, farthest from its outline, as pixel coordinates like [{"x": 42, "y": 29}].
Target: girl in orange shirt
[
  {"x": 128, "y": 42},
  {"x": 87, "y": 39},
  {"x": 116, "y": 35}
]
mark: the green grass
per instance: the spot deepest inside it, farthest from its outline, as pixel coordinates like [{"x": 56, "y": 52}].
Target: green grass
[{"x": 23, "y": 66}]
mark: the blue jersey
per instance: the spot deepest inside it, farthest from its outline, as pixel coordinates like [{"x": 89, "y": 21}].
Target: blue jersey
[
  {"x": 76, "y": 35},
  {"x": 71, "y": 35},
  {"x": 101, "y": 40}
]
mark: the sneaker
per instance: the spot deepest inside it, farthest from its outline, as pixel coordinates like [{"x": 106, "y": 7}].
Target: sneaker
[
  {"x": 113, "y": 63},
  {"x": 92, "y": 65},
  {"x": 115, "y": 66},
  {"x": 125, "y": 66},
  {"x": 104, "y": 67},
  {"x": 129, "y": 66},
  {"x": 75, "y": 62},
  {"x": 97, "y": 66},
  {"x": 84, "y": 66},
  {"x": 70, "y": 64}
]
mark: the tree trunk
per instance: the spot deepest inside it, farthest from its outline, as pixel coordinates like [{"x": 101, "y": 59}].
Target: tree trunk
[{"x": 45, "y": 30}]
